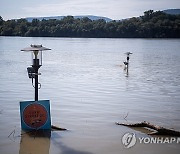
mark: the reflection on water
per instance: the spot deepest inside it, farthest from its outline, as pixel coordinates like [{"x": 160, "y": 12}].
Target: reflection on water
[
  {"x": 64, "y": 148},
  {"x": 35, "y": 142},
  {"x": 126, "y": 71},
  {"x": 38, "y": 142}
]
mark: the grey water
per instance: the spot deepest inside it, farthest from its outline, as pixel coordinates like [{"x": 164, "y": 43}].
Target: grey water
[{"x": 89, "y": 90}]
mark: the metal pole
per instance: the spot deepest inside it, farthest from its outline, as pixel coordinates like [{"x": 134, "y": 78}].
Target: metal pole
[
  {"x": 127, "y": 59},
  {"x": 36, "y": 66},
  {"x": 36, "y": 84}
]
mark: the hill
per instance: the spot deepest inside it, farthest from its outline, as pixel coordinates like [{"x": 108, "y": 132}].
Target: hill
[
  {"x": 29, "y": 19},
  {"x": 172, "y": 11},
  {"x": 151, "y": 25}
]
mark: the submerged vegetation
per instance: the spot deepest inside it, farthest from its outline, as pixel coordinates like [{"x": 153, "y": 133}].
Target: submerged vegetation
[{"x": 150, "y": 25}]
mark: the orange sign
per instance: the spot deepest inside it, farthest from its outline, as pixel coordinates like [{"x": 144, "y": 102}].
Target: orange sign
[{"x": 35, "y": 115}]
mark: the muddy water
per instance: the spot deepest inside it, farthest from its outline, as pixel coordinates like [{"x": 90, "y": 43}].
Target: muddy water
[{"x": 89, "y": 91}]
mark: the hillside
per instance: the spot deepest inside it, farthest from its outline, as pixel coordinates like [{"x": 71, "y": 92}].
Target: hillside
[
  {"x": 172, "y": 11},
  {"x": 151, "y": 25},
  {"x": 29, "y": 19},
  {"x": 92, "y": 17}
]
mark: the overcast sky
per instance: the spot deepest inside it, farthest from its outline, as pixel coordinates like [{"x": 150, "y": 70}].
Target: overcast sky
[{"x": 114, "y": 9}]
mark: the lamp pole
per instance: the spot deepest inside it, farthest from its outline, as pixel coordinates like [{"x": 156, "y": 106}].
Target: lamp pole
[
  {"x": 127, "y": 62},
  {"x": 36, "y": 84},
  {"x": 36, "y": 64},
  {"x": 36, "y": 67},
  {"x": 35, "y": 115}
]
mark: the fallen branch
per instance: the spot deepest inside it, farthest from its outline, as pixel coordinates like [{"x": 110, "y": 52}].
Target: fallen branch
[
  {"x": 158, "y": 129},
  {"x": 12, "y": 133},
  {"x": 126, "y": 116},
  {"x": 53, "y": 128}
]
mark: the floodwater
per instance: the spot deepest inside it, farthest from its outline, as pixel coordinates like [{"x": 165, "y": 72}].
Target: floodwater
[{"x": 89, "y": 90}]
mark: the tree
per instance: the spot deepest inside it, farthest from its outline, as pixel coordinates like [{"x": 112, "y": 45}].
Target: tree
[
  {"x": 1, "y": 20},
  {"x": 148, "y": 15},
  {"x": 150, "y": 25}
]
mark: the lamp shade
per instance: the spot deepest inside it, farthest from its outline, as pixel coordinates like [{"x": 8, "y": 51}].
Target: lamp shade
[
  {"x": 36, "y": 51},
  {"x": 35, "y": 48},
  {"x": 128, "y": 53}
]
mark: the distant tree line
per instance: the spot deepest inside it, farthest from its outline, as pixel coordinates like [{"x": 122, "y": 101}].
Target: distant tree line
[{"x": 150, "y": 25}]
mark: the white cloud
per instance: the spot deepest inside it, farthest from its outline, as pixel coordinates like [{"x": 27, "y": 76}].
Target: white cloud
[
  {"x": 68, "y": 7},
  {"x": 110, "y": 8}
]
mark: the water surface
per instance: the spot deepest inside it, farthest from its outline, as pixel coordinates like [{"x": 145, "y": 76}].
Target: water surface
[{"x": 89, "y": 90}]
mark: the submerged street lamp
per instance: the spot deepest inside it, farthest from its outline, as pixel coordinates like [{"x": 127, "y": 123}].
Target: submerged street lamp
[
  {"x": 126, "y": 63},
  {"x": 35, "y": 115},
  {"x": 36, "y": 51}
]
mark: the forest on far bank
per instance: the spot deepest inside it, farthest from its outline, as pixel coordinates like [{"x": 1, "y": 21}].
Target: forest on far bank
[{"x": 151, "y": 25}]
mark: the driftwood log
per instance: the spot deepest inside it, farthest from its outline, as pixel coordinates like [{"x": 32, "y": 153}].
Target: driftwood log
[
  {"x": 55, "y": 128},
  {"x": 158, "y": 130}
]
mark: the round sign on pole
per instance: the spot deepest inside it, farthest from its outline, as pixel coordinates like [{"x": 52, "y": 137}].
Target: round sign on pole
[{"x": 35, "y": 115}]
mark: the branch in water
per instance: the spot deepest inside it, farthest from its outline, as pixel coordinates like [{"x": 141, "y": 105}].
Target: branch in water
[
  {"x": 159, "y": 130},
  {"x": 53, "y": 128}
]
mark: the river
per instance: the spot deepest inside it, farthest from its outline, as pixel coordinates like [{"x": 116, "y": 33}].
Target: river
[{"x": 89, "y": 90}]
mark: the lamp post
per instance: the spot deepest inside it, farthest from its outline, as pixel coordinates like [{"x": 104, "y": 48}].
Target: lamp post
[
  {"x": 127, "y": 63},
  {"x": 36, "y": 51}
]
